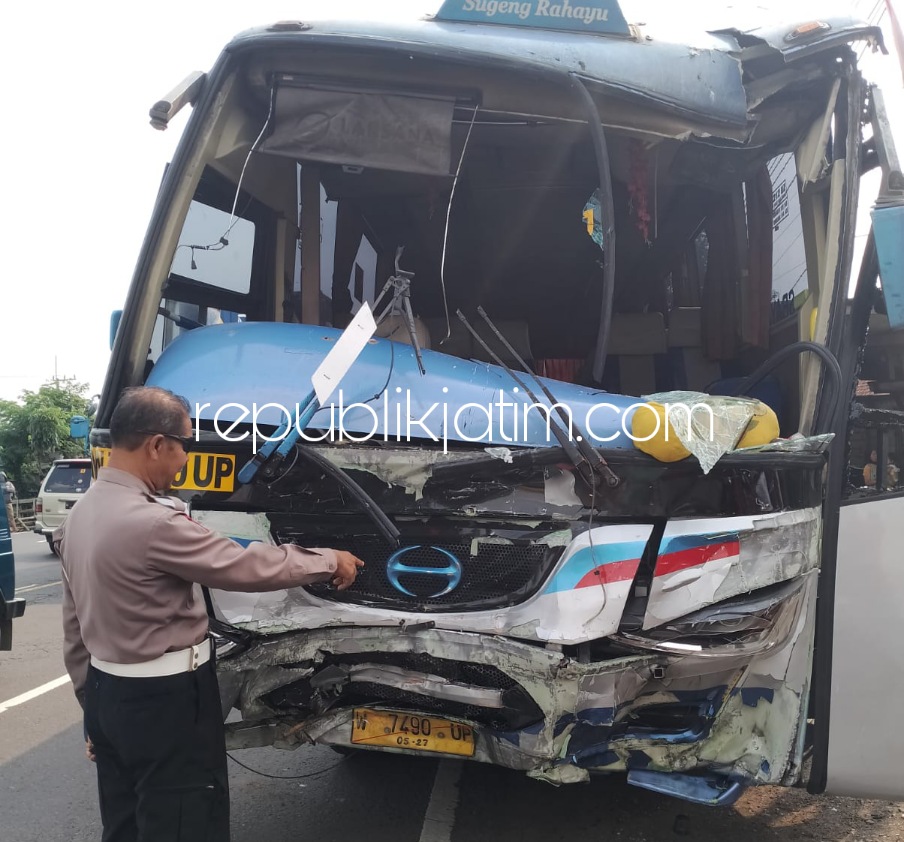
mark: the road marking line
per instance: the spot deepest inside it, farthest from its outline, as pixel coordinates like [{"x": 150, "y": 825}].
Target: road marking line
[
  {"x": 33, "y": 694},
  {"x": 38, "y": 587},
  {"x": 439, "y": 820}
]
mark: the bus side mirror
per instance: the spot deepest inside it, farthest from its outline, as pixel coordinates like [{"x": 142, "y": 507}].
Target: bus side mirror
[{"x": 115, "y": 319}]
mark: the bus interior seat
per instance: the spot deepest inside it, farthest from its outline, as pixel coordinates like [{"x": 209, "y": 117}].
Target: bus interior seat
[
  {"x": 689, "y": 366},
  {"x": 636, "y": 341},
  {"x": 461, "y": 344}
]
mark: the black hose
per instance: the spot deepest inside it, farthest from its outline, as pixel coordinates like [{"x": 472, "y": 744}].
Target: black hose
[
  {"x": 828, "y": 358},
  {"x": 387, "y": 528},
  {"x": 607, "y": 205}
]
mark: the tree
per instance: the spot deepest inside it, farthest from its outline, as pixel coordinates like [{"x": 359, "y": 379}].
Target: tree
[{"x": 35, "y": 430}]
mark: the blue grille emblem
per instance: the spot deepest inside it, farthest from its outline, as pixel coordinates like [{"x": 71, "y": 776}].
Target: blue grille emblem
[{"x": 451, "y": 573}]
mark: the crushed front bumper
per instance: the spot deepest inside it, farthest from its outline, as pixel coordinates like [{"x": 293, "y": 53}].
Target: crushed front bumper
[{"x": 699, "y": 722}]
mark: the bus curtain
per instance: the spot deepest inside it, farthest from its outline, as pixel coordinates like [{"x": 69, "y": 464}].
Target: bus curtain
[
  {"x": 383, "y": 131},
  {"x": 737, "y": 305}
]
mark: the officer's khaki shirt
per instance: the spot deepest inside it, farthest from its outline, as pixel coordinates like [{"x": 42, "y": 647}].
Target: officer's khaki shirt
[{"x": 129, "y": 564}]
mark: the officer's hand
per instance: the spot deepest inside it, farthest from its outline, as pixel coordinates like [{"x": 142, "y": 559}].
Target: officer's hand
[
  {"x": 347, "y": 567},
  {"x": 89, "y": 751}
]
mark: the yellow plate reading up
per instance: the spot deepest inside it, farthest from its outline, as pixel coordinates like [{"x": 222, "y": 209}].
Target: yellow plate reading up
[
  {"x": 202, "y": 472},
  {"x": 410, "y": 731}
]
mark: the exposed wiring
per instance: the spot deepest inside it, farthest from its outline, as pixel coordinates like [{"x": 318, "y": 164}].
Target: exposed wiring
[
  {"x": 220, "y": 244},
  {"x": 284, "y": 473},
  {"x": 878, "y": 12},
  {"x": 385, "y": 386},
  {"x": 233, "y": 219},
  {"x": 287, "y": 777},
  {"x": 442, "y": 265},
  {"x": 217, "y": 246}
]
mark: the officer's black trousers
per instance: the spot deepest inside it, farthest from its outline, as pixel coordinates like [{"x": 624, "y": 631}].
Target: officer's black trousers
[{"x": 161, "y": 756}]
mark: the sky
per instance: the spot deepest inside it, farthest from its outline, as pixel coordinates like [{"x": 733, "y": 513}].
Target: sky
[{"x": 83, "y": 164}]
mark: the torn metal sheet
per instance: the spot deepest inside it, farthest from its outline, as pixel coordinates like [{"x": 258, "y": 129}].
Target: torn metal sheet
[
  {"x": 559, "y": 488},
  {"x": 729, "y": 714},
  {"x": 812, "y": 162},
  {"x": 806, "y": 37},
  {"x": 425, "y": 684},
  {"x": 702, "y": 562},
  {"x": 583, "y": 598},
  {"x": 699, "y": 81},
  {"x": 503, "y": 453},
  {"x": 409, "y": 470}
]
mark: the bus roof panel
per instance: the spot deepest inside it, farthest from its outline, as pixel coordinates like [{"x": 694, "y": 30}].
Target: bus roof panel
[
  {"x": 699, "y": 76},
  {"x": 704, "y": 82}
]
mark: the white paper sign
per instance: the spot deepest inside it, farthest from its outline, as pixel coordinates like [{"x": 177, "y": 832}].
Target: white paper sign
[{"x": 347, "y": 349}]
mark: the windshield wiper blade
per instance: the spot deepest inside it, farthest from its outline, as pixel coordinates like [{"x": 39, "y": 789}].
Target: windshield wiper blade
[
  {"x": 584, "y": 468},
  {"x": 593, "y": 457}
]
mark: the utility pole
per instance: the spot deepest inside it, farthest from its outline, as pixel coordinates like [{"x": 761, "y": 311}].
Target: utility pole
[{"x": 56, "y": 378}]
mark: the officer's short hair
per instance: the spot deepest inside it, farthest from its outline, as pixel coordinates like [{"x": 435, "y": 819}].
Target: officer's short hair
[{"x": 146, "y": 408}]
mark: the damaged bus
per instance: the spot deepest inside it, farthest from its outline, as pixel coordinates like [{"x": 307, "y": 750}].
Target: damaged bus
[{"x": 418, "y": 282}]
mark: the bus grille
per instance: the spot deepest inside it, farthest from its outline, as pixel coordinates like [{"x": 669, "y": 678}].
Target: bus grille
[{"x": 471, "y": 576}]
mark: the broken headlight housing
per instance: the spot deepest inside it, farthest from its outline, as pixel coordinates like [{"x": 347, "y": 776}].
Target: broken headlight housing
[{"x": 750, "y": 624}]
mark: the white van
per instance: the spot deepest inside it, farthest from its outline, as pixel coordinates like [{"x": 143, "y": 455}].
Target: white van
[{"x": 66, "y": 481}]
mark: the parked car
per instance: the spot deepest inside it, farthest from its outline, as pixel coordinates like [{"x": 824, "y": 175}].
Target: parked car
[{"x": 66, "y": 481}]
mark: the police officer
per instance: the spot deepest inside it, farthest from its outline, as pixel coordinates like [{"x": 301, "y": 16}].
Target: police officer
[{"x": 135, "y": 626}]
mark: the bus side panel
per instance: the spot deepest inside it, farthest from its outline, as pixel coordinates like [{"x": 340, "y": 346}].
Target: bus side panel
[
  {"x": 10, "y": 607},
  {"x": 866, "y": 737}
]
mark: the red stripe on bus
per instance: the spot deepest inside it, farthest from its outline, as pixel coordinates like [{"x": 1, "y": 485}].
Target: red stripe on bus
[
  {"x": 683, "y": 559},
  {"x": 617, "y": 571}
]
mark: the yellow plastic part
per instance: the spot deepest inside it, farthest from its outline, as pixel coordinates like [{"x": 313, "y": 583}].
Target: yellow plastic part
[
  {"x": 644, "y": 425},
  {"x": 762, "y": 429},
  {"x": 648, "y": 427}
]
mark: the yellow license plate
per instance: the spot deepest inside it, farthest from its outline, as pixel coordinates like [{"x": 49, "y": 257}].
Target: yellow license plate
[
  {"x": 202, "y": 471},
  {"x": 411, "y": 731}
]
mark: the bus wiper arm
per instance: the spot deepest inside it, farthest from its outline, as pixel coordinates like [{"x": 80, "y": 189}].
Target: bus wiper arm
[
  {"x": 180, "y": 321},
  {"x": 325, "y": 379},
  {"x": 594, "y": 459},
  {"x": 583, "y": 467}
]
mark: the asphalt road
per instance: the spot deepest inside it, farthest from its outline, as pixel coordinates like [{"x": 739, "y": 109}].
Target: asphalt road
[{"x": 47, "y": 787}]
